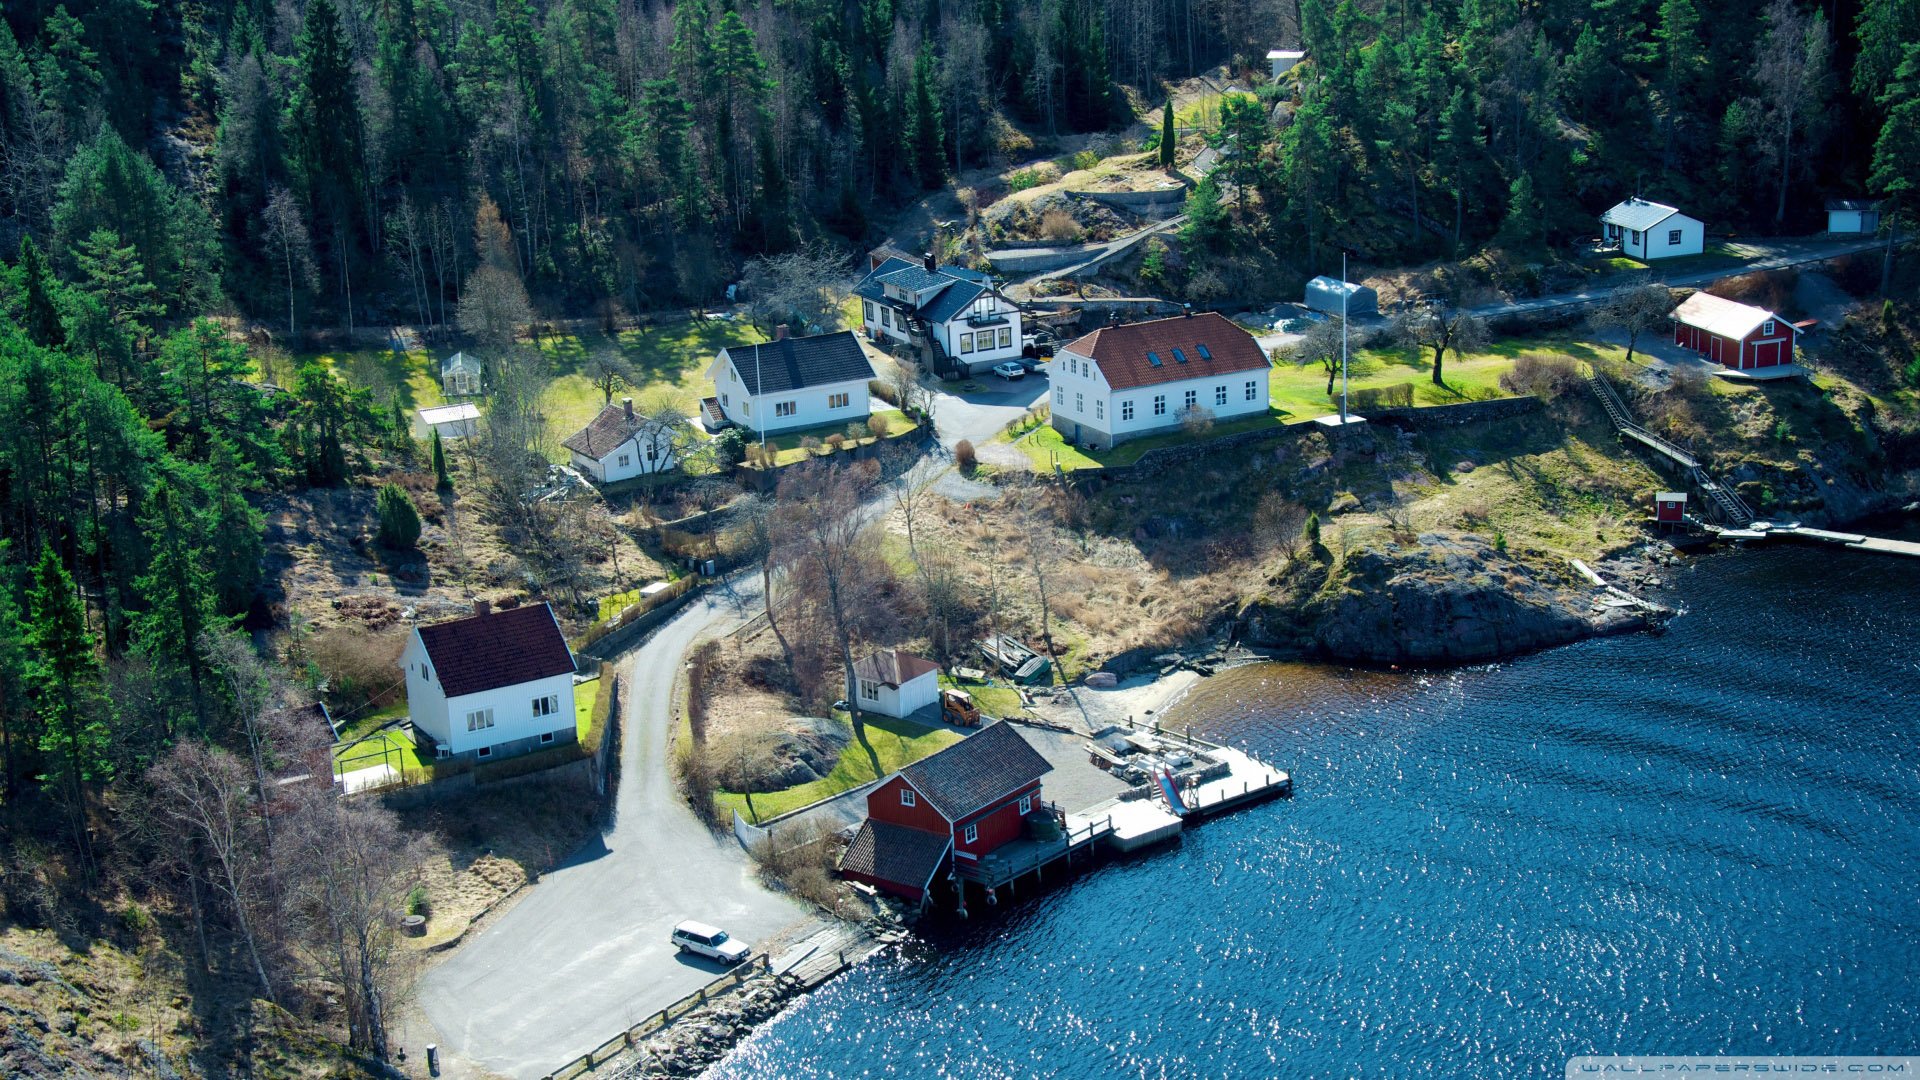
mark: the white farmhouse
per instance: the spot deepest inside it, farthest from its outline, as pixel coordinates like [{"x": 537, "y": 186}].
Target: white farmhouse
[
  {"x": 791, "y": 383},
  {"x": 892, "y": 682},
  {"x": 621, "y": 444},
  {"x": 491, "y": 684},
  {"x": 1650, "y": 230},
  {"x": 1120, "y": 382},
  {"x": 971, "y": 325}
]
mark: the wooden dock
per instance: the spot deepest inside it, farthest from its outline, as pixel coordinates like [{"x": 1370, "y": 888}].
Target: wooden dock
[{"x": 1760, "y": 532}]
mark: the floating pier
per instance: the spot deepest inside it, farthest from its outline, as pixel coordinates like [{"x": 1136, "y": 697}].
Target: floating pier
[{"x": 1761, "y": 531}]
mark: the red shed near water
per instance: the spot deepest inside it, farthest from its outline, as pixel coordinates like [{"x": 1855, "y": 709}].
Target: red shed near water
[
  {"x": 1670, "y": 507},
  {"x": 1732, "y": 334}
]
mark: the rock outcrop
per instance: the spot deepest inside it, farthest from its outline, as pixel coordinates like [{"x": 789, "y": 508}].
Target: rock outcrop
[{"x": 1448, "y": 599}]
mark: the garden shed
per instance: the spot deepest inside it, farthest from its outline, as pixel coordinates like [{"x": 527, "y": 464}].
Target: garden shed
[{"x": 1327, "y": 294}]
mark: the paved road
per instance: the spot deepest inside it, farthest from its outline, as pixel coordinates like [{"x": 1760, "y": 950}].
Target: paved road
[
  {"x": 1776, "y": 255},
  {"x": 584, "y": 954}
]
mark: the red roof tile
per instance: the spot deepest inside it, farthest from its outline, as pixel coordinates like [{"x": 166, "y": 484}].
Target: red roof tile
[
  {"x": 501, "y": 648},
  {"x": 1121, "y": 351}
]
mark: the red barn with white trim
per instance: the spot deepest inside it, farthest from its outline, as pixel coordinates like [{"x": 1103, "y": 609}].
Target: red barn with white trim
[
  {"x": 1733, "y": 334},
  {"x": 960, "y": 803}
]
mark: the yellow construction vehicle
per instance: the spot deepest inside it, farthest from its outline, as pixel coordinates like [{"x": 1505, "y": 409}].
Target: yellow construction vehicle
[{"x": 957, "y": 707}]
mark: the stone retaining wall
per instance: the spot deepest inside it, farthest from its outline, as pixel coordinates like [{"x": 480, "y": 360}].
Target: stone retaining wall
[
  {"x": 1136, "y": 201},
  {"x": 1428, "y": 417}
]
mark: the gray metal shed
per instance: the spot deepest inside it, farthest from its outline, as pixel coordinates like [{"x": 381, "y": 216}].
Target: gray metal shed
[{"x": 1325, "y": 294}]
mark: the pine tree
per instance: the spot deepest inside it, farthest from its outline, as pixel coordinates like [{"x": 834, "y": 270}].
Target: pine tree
[
  {"x": 924, "y": 136},
  {"x": 178, "y": 589},
  {"x": 62, "y": 679},
  {"x": 40, "y": 319},
  {"x": 233, "y": 530},
  {"x": 399, "y": 521},
  {"x": 1207, "y": 222},
  {"x": 441, "y": 478},
  {"x": 1167, "y": 135},
  {"x": 17, "y": 736},
  {"x": 1522, "y": 229}
]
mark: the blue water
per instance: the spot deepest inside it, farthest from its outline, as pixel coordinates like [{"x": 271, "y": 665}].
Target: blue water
[{"x": 1706, "y": 841}]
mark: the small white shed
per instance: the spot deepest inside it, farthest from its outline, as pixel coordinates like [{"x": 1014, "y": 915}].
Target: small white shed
[
  {"x": 460, "y": 375},
  {"x": 893, "y": 682},
  {"x": 1283, "y": 60},
  {"x": 1853, "y": 216},
  {"x": 451, "y": 421},
  {"x": 1327, "y": 294}
]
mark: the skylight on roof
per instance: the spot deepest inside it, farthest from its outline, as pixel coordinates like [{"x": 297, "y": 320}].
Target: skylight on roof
[
  {"x": 1204, "y": 354},
  {"x": 1153, "y": 358},
  {"x": 1179, "y": 357}
]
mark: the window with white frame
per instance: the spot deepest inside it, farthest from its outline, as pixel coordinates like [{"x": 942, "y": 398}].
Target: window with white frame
[
  {"x": 906, "y": 797},
  {"x": 972, "y": 834},
  {"x": 1673, "y": 237},
  {"x": 479, "y": 719},
  {"x": 1159, "y": 404},
  {"x": 653, "y": 451},
  {"x": 485, "y": 751},
  {"x": 886, "y": 317},
  {"x": 546, "y": 706},
  {"x": 1767, "y": 328},
  {"x": 1060, "y": 396},
  {"x": 1126, "y": 409},
  {"x": 785, "y": 408},
  {"x": 546, "y": 737},
  {"x": 1079, "y": 403},
  {"x": 869, "y": 689},
  {"x": 1073, "y": 365},
  {"x": 836, "y": 401},
  {"x": 867, "y": 305},
  {"x": 966, "y": 343},
  {"x": 1006, "y": 337},
  {"x": 1026, "y": 805},
  {"x": 623, "y": 461},
  {"x": 1193, "y": 398},
  {"x": 1220, "y": 394},
  {"x": 1253, "y": 389},
  {"x": 1099, "y": 409},
  {"x": 1636, "y": 236}
]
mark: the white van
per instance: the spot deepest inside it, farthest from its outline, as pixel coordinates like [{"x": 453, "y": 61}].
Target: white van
[{"x": 708, "y": 941}]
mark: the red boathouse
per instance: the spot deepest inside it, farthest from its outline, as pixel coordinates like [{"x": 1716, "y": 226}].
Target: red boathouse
[
  {"x": 1670, "y": 507},
  {"x": 1731, "y": 334},
  {"x": 957, "y": 805}
]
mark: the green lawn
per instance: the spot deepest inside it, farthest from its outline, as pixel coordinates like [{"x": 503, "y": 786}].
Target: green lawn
[
  {"x": 1045, "y": 447},
  {"x": 787, "y": 443},
  {"x": 995, "y": 701},
  {"x": 896, "y": 742},
  {"x": 356, "y": 750},
  {"x": 1300, "y": 392}
]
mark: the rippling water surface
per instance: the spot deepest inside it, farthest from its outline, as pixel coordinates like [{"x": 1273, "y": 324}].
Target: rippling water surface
[{"x": 1702, "y": 842}]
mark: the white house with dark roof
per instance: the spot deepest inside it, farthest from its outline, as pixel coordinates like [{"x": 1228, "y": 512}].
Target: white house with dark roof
[
  {"x": 491, "y": 684},
  {"x": 1649, "y": 230},
  {"x": 903, "y": 302},
  {"x": 1123, "y": 381},
  {"x": 792, "y": 383},
  {"x": 621, "y": 444},
  {"x": 894, "y": 682}
]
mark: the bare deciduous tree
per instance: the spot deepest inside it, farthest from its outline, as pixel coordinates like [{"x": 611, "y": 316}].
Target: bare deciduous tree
[
  {"x": 1440, "y": 328},
  {"x": 1278, "y": 523},
  {"x": 205, "y": 792},
  {"x": 609, "y": 371},
  {"x": 1320, "y": 344},
  {"x": 285, "y": 234},
  {"x": 1633, "y": 310},
  {"x": 1793, "y": 71},
  {"x": 494, "y": 306},
  {"x": 801, "y": 288}
]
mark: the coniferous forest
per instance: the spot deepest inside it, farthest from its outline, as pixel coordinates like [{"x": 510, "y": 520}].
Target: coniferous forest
[{"x": 172, "y": 172}]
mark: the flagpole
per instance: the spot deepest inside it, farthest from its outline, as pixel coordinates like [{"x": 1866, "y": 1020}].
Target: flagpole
[{"x": 1343, "y": 339}]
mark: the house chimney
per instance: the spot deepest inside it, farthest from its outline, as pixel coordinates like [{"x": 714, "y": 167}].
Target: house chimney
[
  {"x": 1113, "y": 316},
  {"x": 1186, "y": 310},
  {"x": 780, "y": 332},
  {"x": 626, "y": 404},
  {"x": 926, "y": 260},
  {"x": 482, "y": 607}
]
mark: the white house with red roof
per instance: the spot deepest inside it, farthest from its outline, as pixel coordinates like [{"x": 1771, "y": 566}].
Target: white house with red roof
[
  {"x": 620, "y": 443},
  {"x": 492, "y": 684},
  {"x": 1121, "y": 382},
  {"x": 894, "y": 682}
]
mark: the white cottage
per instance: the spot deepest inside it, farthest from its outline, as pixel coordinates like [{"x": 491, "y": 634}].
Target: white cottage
[
  {"x": 974, "y": 325},
  {"x": 1120, "y": 382},
  {"x": 492, "y": 684},
  {"x": 621, "y": 444},
  {"x": 1284, "y": 60},
  {"x": 792, "y": 383},
  {"x": 451, "y": 421},
  {"x": 892, "y": 682},
  {"x": 1650, "y": 230}
]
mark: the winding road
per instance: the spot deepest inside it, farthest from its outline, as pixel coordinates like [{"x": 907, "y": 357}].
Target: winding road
[{"x": 584, "y": 955}]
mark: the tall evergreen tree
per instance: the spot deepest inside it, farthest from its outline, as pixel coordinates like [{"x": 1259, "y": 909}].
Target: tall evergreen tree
[
  {"x": 40, "y": 319},
  {"x": 1167, "y": 137},
  {"x": 63, "y": 681}
]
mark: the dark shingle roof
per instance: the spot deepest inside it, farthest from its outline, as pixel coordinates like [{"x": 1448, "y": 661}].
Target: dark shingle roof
[
  {"x": 1121, "y": 351},
  {"x": 893, "y": 667},
  {"x": 608, "y": 430},
  {"x": 978, "y": 769},
  {"x": 913, "y": 278},
  {"x": 952, "y": 301},
  {"x": 797, "y": 363},
  {"x": 501, "y": 648},
  {"x": 894, "y": 853}
]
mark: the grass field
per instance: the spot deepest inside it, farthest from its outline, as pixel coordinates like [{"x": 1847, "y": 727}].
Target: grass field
[
  {"x": 896, "y": 742},
  {"x": 1045, "y": 447},
  {"x": 787, "y": 443},
  {"x": 670, "y": 361},
  {"x": 1300, "y": 392}
]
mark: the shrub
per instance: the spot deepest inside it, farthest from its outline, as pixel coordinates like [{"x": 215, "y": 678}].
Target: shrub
[
  {"x": 1196, "y": 420},
  {"x": 730, "y": 448},
  {"x": 1022, "y": 179},
  {"x": 1399, "y": 395},
  {"x": 964, "y": 456},
  {"x": 836, "y": 442},
  {"x": 1313, "y": 530},
  {"x": 1542, "y": 375},
  {"x": 878, "y": 425},
  {"x": 883, "y": 390},
  {"x": 810, "y": 444},
  {"x": 1085, "y": 159},
  {"x": 399, "y": 521},
  {"x": 1059, "y": 226},
  {"x": 441, "y": 479},
  {"x": 356, "y": 664},
  {"x": 417, "y": 901}
]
